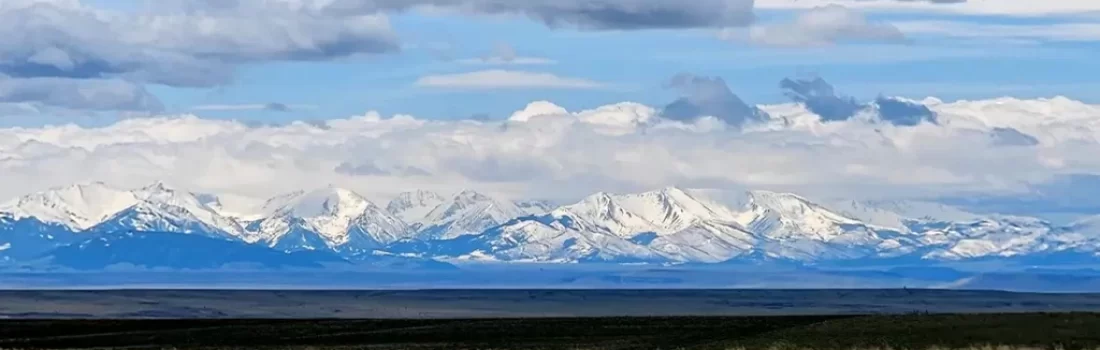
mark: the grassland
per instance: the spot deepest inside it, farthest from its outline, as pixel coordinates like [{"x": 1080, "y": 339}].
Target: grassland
[{"x": 990, "y": 331}]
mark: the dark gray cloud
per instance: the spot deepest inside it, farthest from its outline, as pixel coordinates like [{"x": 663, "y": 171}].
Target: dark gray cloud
[
  {"x": 709, "y": 96},
  {"x": 97, "y": 59},
  {"x": 69, "y": 40},
  {"x": 627, "y": 14},
  {"x": 78, "y": 94},
  {"x": 583, "y": 14},
  {"x": 821, "y": 98},
  {"x": 903, "y": 113}
]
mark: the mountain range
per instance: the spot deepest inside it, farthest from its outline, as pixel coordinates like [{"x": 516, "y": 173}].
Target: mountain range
[{"x": 95, "y": 225}]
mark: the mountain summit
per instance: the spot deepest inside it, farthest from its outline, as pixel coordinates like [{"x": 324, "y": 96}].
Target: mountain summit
[
  {"x": 328, "y": 218},
  {"x": 670, "y": 225}
]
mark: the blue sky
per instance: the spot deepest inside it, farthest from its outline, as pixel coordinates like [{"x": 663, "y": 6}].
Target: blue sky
[{"x": 635, "y": 64}]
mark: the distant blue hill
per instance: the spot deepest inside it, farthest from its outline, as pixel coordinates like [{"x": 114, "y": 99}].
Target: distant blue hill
[{"x": 177, "y": 251}]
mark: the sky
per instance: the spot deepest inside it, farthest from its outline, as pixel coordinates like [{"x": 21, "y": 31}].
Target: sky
[
  {"x": 864, "y": 98},
  {"x": 253, "y": 69}
]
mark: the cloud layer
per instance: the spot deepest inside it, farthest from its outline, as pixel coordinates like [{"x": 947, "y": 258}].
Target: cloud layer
[
  {"x": 65, "y": 54},
  {"x": 824, "y": 25},
  {"x": 998, "y": 146},
  {"x": 583, "y": 14}
]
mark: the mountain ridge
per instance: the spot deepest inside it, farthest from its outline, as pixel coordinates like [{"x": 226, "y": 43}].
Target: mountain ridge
[{"x": 669, "y": 225}]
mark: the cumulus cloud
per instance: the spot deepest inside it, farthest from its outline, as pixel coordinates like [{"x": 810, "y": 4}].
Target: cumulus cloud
[
  {"x": 506, "y": 79},
  {"x": 65, "y": 53},
  {"x": 820, "y": 26},
  {"x": 197, "y": 48},
  {"x": 1065, "y": 31},
  {"x": 546, "y": 151},
  {"x": 86, "y": 94},
  {"x": 708, "y": 97}
]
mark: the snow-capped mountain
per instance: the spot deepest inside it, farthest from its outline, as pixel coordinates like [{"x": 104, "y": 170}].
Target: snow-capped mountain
[
  {"x": 173, "y": 250},
  {"x": 160, "y": 208},
  {"x": 77, "y": 207},
  {"x": 42, "y": 221},
  {"x": 329, "y": 218},
  {"x": 666, "y": 211},
  {"x": 466, "y": 213},
  {"x": 896, "y": 214},
  {"x": 668, "y": 225},
  {"x": 793, "y": 227},
  {"x": 664, "y": 225},
  {"x": 414, "y": 206},
  {"x": 681, "y": 226}
]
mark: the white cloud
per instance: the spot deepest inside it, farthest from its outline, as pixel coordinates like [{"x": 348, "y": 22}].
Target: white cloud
[
  {"x": 506, "y": 79},
  {"x": 1021, "y": 8},
  {"x": 1082, "y": 31},
  {"x": 547, "y": 152},
  {"x": 819, "y": 26},
  {"x": 504, "y": 54}
]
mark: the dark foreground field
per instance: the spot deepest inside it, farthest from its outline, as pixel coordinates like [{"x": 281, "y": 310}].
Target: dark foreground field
[
  {"x": 473, "y": 304},
  {"x": 1065, "y": 331}
]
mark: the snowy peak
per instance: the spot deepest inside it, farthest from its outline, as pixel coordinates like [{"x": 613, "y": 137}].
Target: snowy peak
[
  {"x": 466, "y": 213},
  {"x": 336, "y": 217},
  {"x": 666, "y": 225},
  {"x": 666, "y": 211},
  {"x": 898, "y": 215},
  {"x": 327, "y": 202},
  {"x": 161, "y": 208},
  {"x": 414, "y": 206},
  {"x": 78, "y": 207},
  {"x": 789, "y": 216}
]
